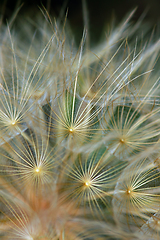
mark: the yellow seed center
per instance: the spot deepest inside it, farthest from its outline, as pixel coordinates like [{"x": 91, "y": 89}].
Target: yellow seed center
[
  {"x": 129, "y": 191},
  {"x": 13, "y": 122},
  {"x": 87, "y": 183},
  {"x": 71, "y": 130},
  {"x": 122, "y": 140},
  {"x": 37, "y": 170}
]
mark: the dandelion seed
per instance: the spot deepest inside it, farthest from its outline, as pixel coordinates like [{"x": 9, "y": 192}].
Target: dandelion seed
[
  {"x": 129, "y": 130},
  {"x": 89, "y": 181},
  {"x": 32, "y": 161},
  {"x": 137, "y": 194}
]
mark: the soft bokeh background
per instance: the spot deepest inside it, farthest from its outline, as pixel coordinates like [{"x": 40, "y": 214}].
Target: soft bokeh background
[{"x": 100, "y": 12}]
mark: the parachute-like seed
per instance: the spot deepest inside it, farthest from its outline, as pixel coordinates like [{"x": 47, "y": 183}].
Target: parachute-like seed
[
  {"x": 137, "y": 194},
  {"x": 89, "y": 182}
]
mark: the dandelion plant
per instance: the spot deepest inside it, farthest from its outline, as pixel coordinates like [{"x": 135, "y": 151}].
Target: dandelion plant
[{"x": 79, "y": 133}]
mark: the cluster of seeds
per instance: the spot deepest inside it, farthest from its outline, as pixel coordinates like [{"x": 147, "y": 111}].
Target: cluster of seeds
[{"x": 79, "y": 134}]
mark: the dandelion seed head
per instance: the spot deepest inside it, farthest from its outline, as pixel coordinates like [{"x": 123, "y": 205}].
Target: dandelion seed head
[{"x": 78, "y": 151}]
